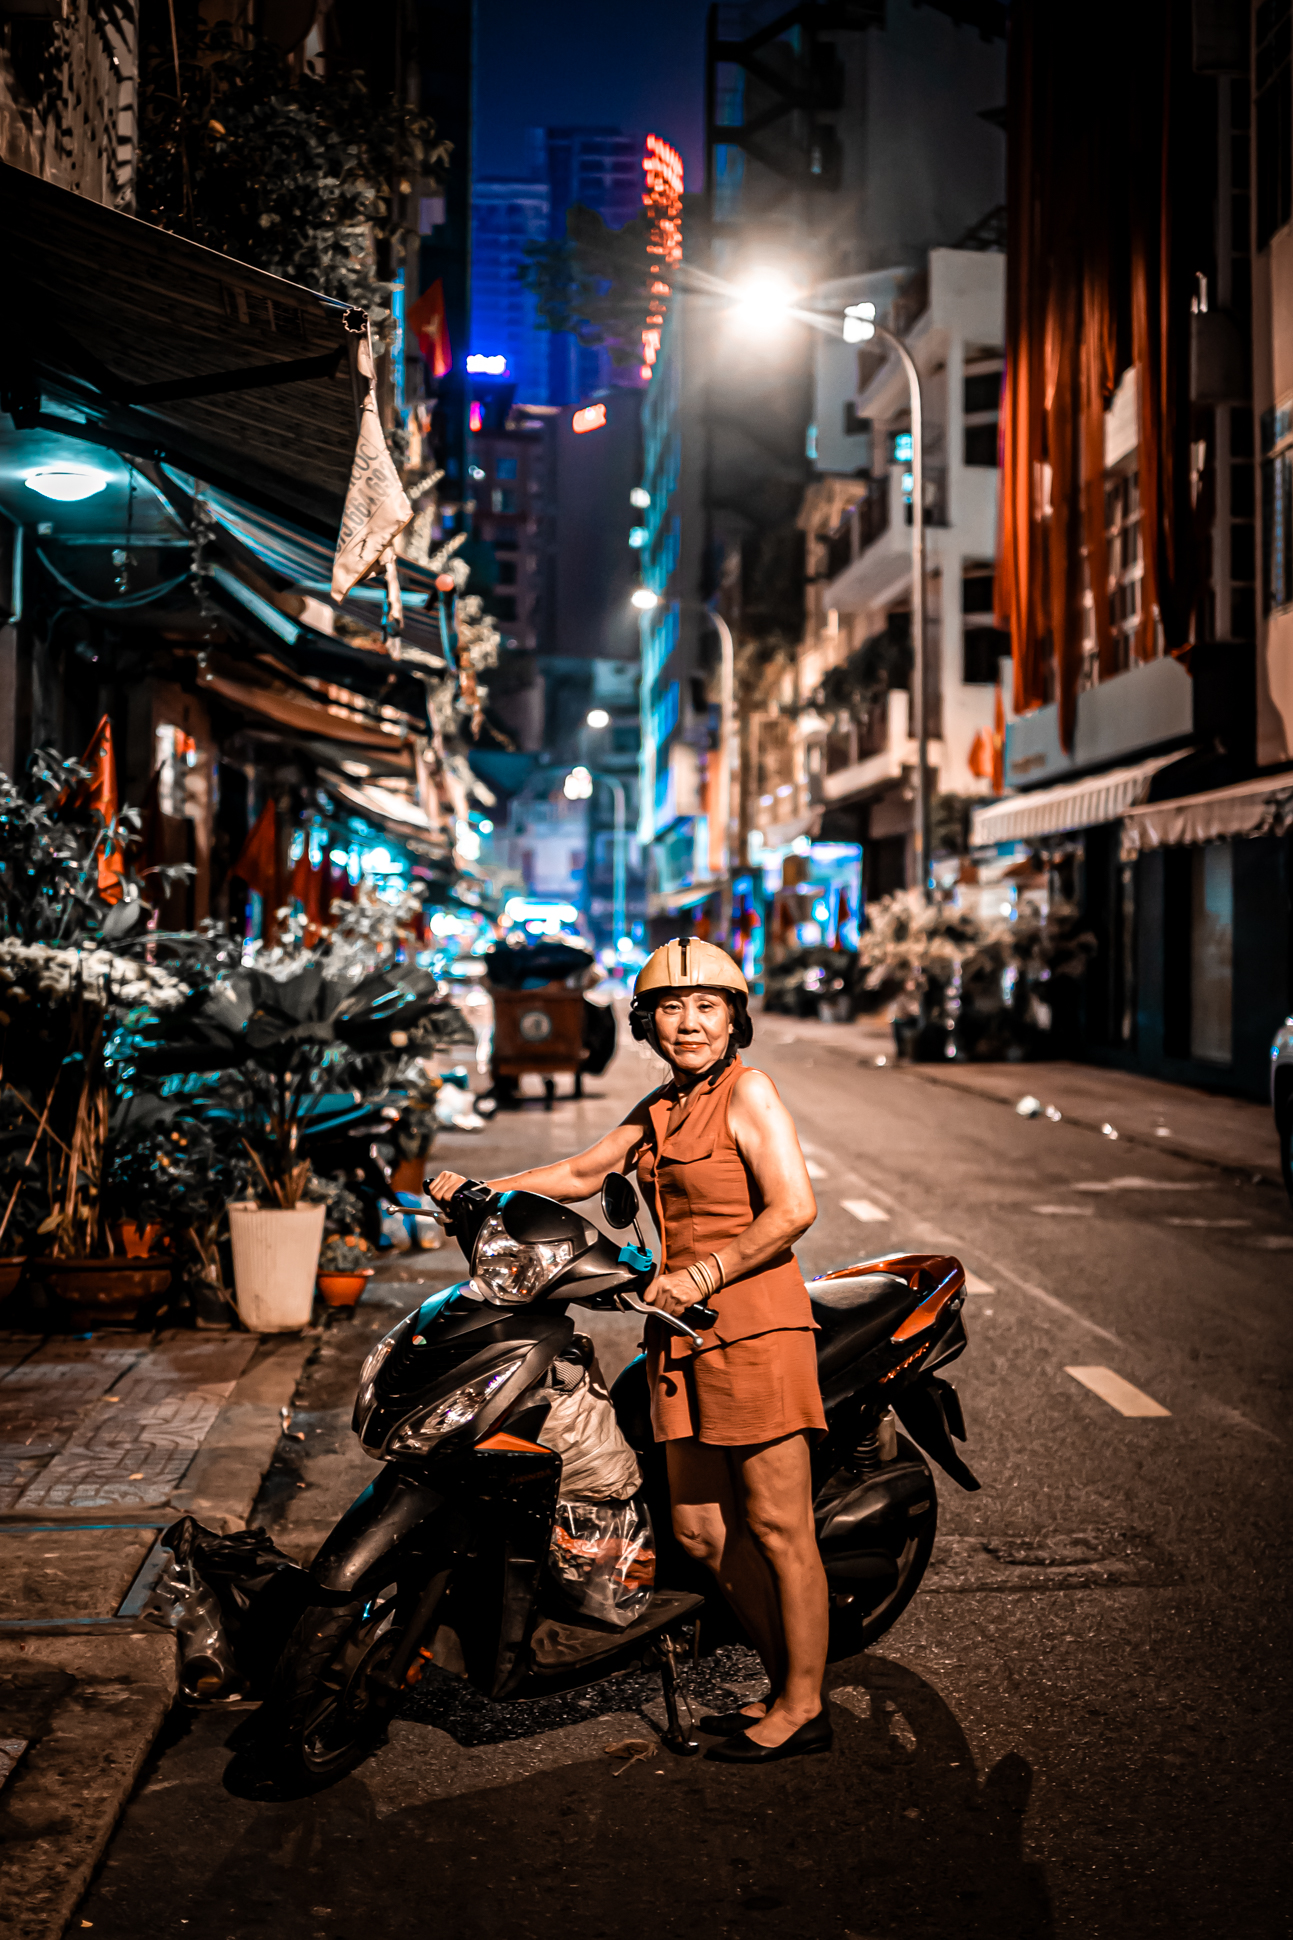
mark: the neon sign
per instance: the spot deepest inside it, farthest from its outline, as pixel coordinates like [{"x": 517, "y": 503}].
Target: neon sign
[
  {"x": 487, "y": 366},
  {"x": 662, "y": 200},
  {"x": 591, "y": 418}
]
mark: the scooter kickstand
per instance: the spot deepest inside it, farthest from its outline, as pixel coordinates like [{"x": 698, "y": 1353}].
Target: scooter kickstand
[{"x": 674, "y": 1738}]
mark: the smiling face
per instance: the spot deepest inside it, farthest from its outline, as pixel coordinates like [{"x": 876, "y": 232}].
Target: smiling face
[{"x": 693, "y": 1027}]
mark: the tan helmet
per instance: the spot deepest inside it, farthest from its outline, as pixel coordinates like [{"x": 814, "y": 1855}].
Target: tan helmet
[
  {"x": 685, "y": 963},
  {"x": 688, "y": 964}
]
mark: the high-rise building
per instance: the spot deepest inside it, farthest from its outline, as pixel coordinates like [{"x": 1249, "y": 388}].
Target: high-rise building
[
  {"x": 601, "y": 169},
  {"x": 506, "y": 215}
]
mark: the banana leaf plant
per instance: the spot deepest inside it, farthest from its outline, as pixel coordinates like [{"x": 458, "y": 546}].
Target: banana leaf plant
[{"x": 266, "y": 1045}]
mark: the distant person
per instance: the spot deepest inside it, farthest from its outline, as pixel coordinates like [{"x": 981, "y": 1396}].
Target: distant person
[{"x": 718, "y": 1159}]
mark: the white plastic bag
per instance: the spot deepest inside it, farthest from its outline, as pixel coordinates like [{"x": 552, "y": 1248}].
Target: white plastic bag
[
  {"x": 602, "y": 1558},
  {"x": 597, "y": 1464}
]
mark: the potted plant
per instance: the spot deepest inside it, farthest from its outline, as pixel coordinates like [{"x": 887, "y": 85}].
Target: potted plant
[
  {"x": 344, "y": 1269},
  {"x": 73, "y": 964}
]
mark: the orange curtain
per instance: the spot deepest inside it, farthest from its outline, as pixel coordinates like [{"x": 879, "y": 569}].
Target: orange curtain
[{"x": 1097, "y": 185}]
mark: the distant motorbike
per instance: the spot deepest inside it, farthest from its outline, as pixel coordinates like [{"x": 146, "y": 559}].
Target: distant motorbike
[{"x": 443, "y": 1563}]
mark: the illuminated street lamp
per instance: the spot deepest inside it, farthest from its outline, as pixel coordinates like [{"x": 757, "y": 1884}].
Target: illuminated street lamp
[
  {"x": 859, "y": 327},
  {"x": 644, "y": 599},
  {"x": 597, "y": 717},
  {"x": 578, "y": 787}
]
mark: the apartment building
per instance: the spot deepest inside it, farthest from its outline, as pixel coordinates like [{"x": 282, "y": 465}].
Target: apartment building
[{"x": 837, "y": 753}]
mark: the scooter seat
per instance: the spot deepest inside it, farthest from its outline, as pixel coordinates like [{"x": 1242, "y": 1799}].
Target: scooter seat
[{"x": 855, "y": 1312}]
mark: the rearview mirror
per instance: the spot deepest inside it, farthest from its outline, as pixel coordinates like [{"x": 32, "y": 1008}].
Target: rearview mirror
[{"x": 619, "y": 1201}]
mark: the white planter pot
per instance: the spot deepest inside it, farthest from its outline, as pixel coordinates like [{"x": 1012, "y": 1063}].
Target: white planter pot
[{"x": 275, "y": 1259}]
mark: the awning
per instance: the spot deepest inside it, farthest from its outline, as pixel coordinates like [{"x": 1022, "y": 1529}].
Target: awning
[
  {"x": 170, "y": 349},
  {"x": 304, "y": 717},
  {"x": 1262, "y": 807},
  {"x": 1076, "y": 805}
]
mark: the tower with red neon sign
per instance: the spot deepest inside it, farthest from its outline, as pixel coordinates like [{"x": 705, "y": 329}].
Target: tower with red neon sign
[{"x": 662, "y": 201}]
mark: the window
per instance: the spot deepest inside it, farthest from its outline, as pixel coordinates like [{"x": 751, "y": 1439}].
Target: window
[
  {"x": 1277, "y": 504},
  {"x": 504, "y": 605},
  {"x": 984, "y": 646},
  {"x": 1274, "y": 90},
  {"x": 507, "y": 572},
  {"x": 976, "y": 593},
  {"x": 1126, "y": 561},
  {"x": 502, "y": 500},
  {"x": 982, "y": 401},
  {"x": 505, "y": 468},
  {"x": 1212, "y": 905}
]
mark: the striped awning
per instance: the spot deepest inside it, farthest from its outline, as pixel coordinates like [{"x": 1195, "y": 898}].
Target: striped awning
[
  {"x": 1248, "y": 808},
  {"x": 1074, "y": 805}
]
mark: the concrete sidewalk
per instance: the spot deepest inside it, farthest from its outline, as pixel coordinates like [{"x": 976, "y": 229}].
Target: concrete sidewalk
[
  {"x": 1207, "y": 1127},
  {"x": 103, "y": 1442}
]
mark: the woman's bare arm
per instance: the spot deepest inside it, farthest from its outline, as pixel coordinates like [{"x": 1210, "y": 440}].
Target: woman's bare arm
[
  {"x": 766, "y": 1139},
  {"x": 573, "y": 1178}
]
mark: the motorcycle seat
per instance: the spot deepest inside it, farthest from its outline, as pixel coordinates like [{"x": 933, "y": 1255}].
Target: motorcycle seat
[{"x": 854, "y": 1313}]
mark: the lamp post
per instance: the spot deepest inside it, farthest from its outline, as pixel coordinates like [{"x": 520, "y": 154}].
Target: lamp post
[
  {"x": 859, "y": 325},
  {"x": 578, "y": 787}
]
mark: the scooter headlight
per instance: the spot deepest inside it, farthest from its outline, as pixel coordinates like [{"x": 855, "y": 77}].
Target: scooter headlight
[
  {"x": 421, "y": 1433},
  {"x": 511, "y": 1271},
  {"x": 368, "y": 1375}
]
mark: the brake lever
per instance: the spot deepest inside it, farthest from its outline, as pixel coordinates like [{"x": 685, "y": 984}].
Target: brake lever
[{"x": 670, "y": 1320}]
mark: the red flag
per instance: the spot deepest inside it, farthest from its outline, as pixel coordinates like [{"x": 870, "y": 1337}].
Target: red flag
[
  {"x": 257, "y": 866},
  {"x": 841, "y": 918},
  {"x": 982, "y": 755},
  {"x": 309, "y": 888},
  {"x": 426, "y": 321},
  {"x": 99, "y": 794}
]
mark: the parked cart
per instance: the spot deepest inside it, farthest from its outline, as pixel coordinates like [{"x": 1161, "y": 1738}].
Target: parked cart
[{"x": 537, "y": 990}]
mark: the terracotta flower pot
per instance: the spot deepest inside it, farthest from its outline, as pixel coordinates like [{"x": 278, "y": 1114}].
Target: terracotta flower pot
[
  {"x": 11, "y": 1272},
  {"x": 344, "y": 1289},
  {"x": 275, "y": 1258},
  {"x": 104, "y": 1292}
]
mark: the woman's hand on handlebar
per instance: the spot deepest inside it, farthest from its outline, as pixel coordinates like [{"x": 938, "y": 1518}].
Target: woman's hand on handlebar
[
  {"x": 672, "y": 1293},
  {"x": 443, "y": 1187}
]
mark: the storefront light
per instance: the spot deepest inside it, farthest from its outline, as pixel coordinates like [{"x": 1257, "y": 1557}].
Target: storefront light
[{"x": 66, "y": 483}]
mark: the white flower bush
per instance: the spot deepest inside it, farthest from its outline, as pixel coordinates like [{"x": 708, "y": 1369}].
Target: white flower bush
[{"x": 98, "y": 977}]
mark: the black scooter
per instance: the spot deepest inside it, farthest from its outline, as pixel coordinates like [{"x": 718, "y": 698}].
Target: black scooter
[{"x": 439, "y": 1566}]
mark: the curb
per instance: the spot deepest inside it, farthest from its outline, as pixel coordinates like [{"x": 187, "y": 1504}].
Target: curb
[
  {"x": 225, "y": 1475},
  {"x": 72, "y": 1781},
  {"x": 1248, "y": 1169}
]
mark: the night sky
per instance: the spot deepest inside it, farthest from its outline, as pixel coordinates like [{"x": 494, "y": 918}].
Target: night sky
[{"x": 637, "y": 67}]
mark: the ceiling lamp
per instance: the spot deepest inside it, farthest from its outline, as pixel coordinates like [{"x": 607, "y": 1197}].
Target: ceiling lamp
[{"x": 66, "y": 482}]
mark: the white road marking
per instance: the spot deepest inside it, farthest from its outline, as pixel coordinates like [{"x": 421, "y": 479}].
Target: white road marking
[
  {"x": 814, "y": 1170},
  {"x": 1207, "y": 1222},
  {"x": 1049, "y": 1300},
  {"x": 1134, "y": 1184},
  {"x": 973, "y": 1284},
  {"x": 864, "y": 1209},
  {"x": 1064, "y": 1212},
  {"x": 1118, "y": 1393}
]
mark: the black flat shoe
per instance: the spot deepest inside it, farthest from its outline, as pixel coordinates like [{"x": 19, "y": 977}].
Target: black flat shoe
[
  {"x": 723, "y": 1724},
  {"x": 816, "y": 1735}
]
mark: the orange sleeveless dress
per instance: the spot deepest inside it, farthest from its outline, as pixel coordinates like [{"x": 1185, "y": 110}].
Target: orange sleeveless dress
[{"x": 755, "y": 1378}]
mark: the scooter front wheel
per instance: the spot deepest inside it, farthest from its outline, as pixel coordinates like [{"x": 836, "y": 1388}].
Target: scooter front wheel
[{"x": 329, "y": 1714}]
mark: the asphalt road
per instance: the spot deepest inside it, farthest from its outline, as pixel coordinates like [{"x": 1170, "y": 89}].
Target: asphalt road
[{"x": 1080, "y": 1727}]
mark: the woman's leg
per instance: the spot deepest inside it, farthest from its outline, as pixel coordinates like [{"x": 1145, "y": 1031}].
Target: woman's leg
[
  {"x": 776, "y": 1498},
  {"x": 709, "y": 1523}
]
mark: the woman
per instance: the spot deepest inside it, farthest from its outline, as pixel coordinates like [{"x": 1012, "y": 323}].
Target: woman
[{"x": 718, "y": 1159}]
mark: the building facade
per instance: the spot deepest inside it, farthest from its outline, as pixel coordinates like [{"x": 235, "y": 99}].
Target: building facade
[
  {"x": 1144, "y": 519},
  {"x": 505, "y": 216}
]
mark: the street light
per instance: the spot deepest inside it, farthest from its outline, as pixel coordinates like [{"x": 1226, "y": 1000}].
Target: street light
[
  {"x": 578, "y": 787},
  {"x": 597, "y": 717},
  {"x": 644, "y": 599},
  {"x": 859, "y": 326}
]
